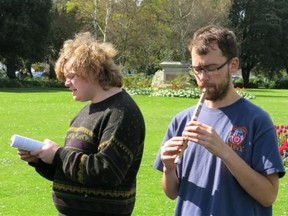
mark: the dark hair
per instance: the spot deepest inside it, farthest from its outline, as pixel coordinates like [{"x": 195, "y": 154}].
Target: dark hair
[{"x": 223, "y": 37}]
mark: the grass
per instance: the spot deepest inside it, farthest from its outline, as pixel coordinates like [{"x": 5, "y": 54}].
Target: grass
[{"x": 47, "y": 114}]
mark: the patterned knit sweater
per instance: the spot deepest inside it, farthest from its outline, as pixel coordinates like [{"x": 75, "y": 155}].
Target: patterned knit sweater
[{"x": 95, "y": 172}]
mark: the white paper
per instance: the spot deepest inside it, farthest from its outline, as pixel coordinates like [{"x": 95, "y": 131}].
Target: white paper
[{"x": 25, "y": 143}]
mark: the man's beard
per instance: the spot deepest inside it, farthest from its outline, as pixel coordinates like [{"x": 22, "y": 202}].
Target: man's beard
[{"x": 220, "y": 91}]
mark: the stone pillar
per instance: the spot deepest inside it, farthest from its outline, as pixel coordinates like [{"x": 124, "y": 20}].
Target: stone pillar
[
  {"x": 170, "y": 70},
  {"x": 173, "y": 69}
]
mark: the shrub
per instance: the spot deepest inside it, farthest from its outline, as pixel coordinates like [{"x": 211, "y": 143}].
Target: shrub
[
  {"x": 282, "y": 83},
  {"x": 137, "y": 81},
  {"x": 182, "y": 81},
  {"x": 237, "y": 82},
  {"x": 30, "y": 83},
  {"x": 39, "y": 66},
  {"x": 254, "y": 82}
]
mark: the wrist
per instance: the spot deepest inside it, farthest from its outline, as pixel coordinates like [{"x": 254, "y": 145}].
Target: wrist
[{"x": 169, "y": 170}]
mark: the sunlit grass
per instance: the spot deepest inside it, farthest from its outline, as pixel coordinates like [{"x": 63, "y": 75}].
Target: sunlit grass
[{"x": 47, "y": 114}]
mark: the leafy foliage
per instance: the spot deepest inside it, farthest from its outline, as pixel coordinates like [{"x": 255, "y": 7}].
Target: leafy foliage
[
  {"x": 145, "y": 34},
  {"x": 261, "y": 28},
  {"x": 137, "y": 81},
  {"x": 30, "y": 83},
  {"x": 24, "y": 29},
  {"x": 282, "y": 83},
  {"x": 148, "y": 33}
]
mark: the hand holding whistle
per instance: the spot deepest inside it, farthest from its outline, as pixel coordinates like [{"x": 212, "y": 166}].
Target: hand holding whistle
[{"x": 194, "y": 118}]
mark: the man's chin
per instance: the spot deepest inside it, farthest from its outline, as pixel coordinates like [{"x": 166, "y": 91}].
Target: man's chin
[
  {"x": 79, "y": 99},
  {"x": 75, "y": 98}
]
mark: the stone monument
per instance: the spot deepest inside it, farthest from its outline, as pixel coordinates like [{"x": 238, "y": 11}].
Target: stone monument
[{"x": 170, "y": 70}]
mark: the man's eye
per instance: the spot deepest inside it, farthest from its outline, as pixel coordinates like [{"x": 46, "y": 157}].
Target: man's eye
[
  {"x": 70, "y": 76},
  {"x": 210, "y": 68},
  {"x": 198, "y": 68}
]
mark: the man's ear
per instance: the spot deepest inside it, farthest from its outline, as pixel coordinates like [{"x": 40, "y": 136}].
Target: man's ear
[{"x": 234, "y": 65}]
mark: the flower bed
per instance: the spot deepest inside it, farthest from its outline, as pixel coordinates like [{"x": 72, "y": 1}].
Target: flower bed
[
  {"x": 183, "y": 93},
  {"x": 282, "y": 133}
]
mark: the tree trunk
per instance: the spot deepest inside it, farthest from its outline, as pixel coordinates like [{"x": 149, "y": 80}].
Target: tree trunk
[
  {"x": 245, "y": 76},
  {"x": 52, "y": 74},
  {"x": 28, "y": 66},
  {"x": 11, "y": 67}
]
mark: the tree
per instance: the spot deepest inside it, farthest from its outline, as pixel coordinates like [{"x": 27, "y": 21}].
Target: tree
[
  {"x": 186, "y": 16},
  {"x": 63, "y": 27},
  {"x": 282, "y": 11},
  {"x": 94, "y": 15},
  {"x": 148, "y": 33},
  {"x": 25, "y": 26},
  {"x": 138, "y": 33},
  {"x": 116, "y": 21},
  {"x": 160, "y": 28},
  {"x": 259, "y": 26}
]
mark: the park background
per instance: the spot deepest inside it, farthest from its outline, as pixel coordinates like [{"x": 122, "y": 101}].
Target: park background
[{"x": 145, "y": 33}]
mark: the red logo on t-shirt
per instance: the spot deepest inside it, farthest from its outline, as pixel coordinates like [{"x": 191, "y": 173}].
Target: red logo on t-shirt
[{"x": 236, "y": 138}]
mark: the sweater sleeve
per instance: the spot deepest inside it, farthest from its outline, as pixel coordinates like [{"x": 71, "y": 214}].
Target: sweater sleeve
[
  {"x": 119, "y": 152},
  {"x": 45, "y": 170}
]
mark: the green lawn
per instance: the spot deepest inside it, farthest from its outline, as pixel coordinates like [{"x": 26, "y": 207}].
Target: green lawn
[{"x": 46, "y": 114}]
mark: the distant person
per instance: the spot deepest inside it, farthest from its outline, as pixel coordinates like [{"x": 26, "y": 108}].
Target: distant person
[
  {"x": 19, "y": 74},
  {"x": 95, "y": 172},
  {"x": 231, "y": 165},
  {"x": 24, "y": 73}
]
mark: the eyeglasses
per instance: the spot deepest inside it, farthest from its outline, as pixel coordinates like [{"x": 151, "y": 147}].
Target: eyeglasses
[{"x": 209, "y": 69}]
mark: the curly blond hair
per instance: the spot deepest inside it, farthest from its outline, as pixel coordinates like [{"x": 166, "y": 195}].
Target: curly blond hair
[{"x": 91, "y": 59}]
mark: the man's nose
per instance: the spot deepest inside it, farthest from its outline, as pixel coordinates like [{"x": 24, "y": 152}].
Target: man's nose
[
  {"x": 67, "y": 82},
  {"x": 203, "y": 75}
]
